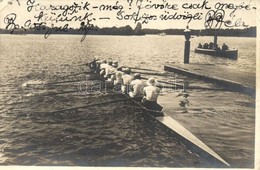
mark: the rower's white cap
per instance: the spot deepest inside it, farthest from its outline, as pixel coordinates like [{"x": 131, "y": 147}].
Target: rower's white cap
[{"x": 151, "y": 81}]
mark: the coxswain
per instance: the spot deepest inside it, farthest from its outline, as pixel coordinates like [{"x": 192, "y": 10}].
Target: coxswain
[
  {"x": 136, "y": 87},
  {"x": 127, "y": 79},
  {"x": 151, "y": 93}
]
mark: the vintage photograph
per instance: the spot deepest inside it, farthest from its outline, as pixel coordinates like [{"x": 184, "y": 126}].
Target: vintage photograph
[{"x": 128, "y": 83}]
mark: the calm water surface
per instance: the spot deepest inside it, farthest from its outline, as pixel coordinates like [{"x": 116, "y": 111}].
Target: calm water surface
[{"x": 114, "y": 134}]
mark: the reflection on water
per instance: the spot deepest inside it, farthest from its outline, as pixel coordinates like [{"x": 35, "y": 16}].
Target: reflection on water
[{"x": 113, "y": 134}]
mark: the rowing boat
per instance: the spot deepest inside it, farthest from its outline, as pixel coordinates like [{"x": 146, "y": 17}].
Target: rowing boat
[
  {"x": 231, "y": 54},
  {"x": 185, "y": 136}
]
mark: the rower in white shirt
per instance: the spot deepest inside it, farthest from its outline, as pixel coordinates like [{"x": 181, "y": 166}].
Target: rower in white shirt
[
  {"x": 110, "y": 72},
  {"x": 151, "y": 93},
  {"x": 103, "y": 67},
  {"x": 127, "y": 79},
  {"x": 136, "y": 87}
]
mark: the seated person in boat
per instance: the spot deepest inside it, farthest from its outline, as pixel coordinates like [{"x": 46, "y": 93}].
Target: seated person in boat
[
  {"x": 206, "y": 46},
  {"x": 151, "y": 93},
  {"x": 118, "y": 79},
  {"x": 99, "y": 62},
  {"x": 110, "y": 72},
  {"x": 224, "y": 47},
  {"x": 211, "y": 45},
  {"x": 136, "y": 87},
  {"x": 93, "y": 64},
  {"x": 103, "y": 66},
  {"x": 127, "y": 79},
  {"x": 200, "y": 45},
  {"x": 111, "y": 69}
]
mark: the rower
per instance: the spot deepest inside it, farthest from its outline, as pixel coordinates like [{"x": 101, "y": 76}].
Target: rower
[
  {"x": 118, "y": 80},
  {"x": 102, "y": 67},
  {"x": 110, "y": 72},
  {"x": 136, "y": 87},
  {"x": 98, "y": 63},
  {"x": 127, "y": 79},
  {"x": 95, "y": 64},
  {"x": 151, "y": 93}
]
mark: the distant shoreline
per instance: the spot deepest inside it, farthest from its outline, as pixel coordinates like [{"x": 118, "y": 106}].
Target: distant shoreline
[
  {"x": 126, "y": 35},
  {"x": 138, "y": 31}
]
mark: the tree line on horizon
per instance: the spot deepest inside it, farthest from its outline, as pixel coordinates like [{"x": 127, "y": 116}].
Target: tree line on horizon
[{"x": 128, "y": 31}]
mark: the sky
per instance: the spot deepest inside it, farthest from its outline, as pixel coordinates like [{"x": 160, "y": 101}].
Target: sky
[{"x": 240, "y": 18}]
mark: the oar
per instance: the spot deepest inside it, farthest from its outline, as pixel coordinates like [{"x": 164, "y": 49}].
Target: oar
[
  {"x": 91, "y": 105},
  {"x": 141, "y": 69},
  {"x": 61, "y": 82},
  {"x": 85, "y": 64},
  {"x": 165, "y": 82},
  {"x": 150, "y": 73},
  {"x": 84, "y": 91}
]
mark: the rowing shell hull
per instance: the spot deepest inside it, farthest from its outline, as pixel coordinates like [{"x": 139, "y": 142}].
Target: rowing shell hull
[
  {"x": 183, "y": 134},
  {"x": 173, "y": 126}
]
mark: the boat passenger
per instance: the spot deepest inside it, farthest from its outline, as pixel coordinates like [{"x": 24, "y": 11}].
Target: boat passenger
[
  {"x": 151, "y": 93},
  {"x": 211, "y": 45},
  {"x": 200, "y": 45},
  {"x": 224, "y": 47},
  {"x": 136, "y": 87},
  {"x": 206, "y": 46},
  {"x": 127, "y": 79}
]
